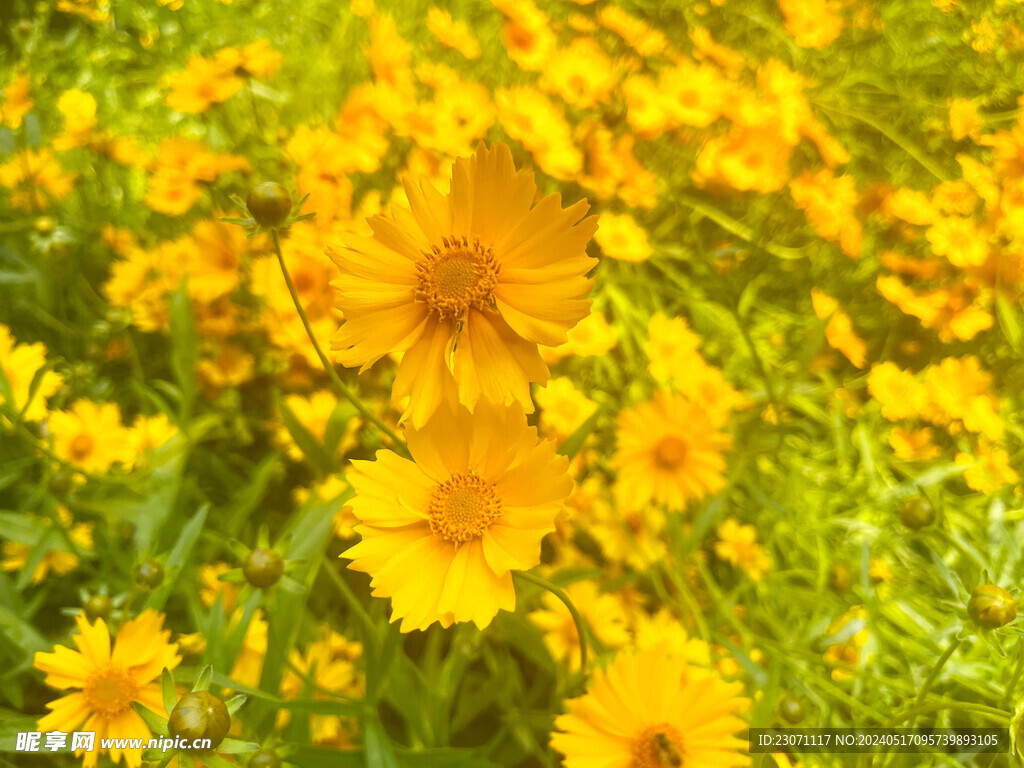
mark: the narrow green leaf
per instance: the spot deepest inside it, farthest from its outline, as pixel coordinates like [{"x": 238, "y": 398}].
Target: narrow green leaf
[
  {"x": 184, "y": 348},
  {"x": 178, "y": 558},
  {"x": 235, "y": 703},
  {"x": 167, "y": 689},
  {"x": 156, "y": 723},
  {"x": 574, "y": 442},
  {"x": 203, "y": 681}
]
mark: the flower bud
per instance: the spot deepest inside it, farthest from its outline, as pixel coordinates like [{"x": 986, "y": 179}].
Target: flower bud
[
  {"x": 917, "y": 513},
  {"x": 149, "y": 575},
  {"x": 839, "y": 577},
  {"x": 992, "y": 606},
  {"x": 200, "y": 715},
  {"x": 97, "y": 607},
  {"x": 791, "y": 710},
  {"x": 263, "y": 568},
  {"x": 265, "y": 758},
  {"x": 269, "y": 204}
]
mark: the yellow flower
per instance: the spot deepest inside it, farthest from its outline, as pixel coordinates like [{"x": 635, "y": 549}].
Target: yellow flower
[
  {"x": 563, "y": 408},
  {"x": 203, "y": 82},
  {"x": 696, "y": 94},
  {"x": 641, "y": 37},
  {"x": 745, "y": 159},
  {"x": 315, "y": 413},
  {"x": 441, "y": 533},
  {"x": 665, "y": 630},
  {"x": 466, "y": 286},
  {"x": 248, "y": 666},
  {"x": 527, "y": 35},
  {"x": 988, "y": 470},
  {"x": 964, "y": 119},
  {"x": 913, "y": 444},
  {"x": 530, "y": 117},
  {"x": 79, "y": 111},
  {"x": 110, "y": 680},
  {"x": 670, "y": 346},
  {"x": 603, "y": 612},
  {"x": 848, "y": 652},
  {"x": 829, "y": 203},
  {"x": 211, "y": 586},
  {"x": 902, "y": 396},
  {"x": 839, "y": 331},
  {"x": 651, "y": 709},
  {"x": 620, "y": 237},
  {"x": 150, "y": 432},
  {"x": 581, "y": 74},
  {"x": 591, "y": 337},
  {"x": 452, "y": 33},
  {"x": 35, "y": 179},
  {"x": 737, "y": 545},
  {"x": 959, "y": 240},
  {"x": 20, "y": 363},
  {"x": 812, "y": 23},
  {"x": 90, "y": 436},
  {"x": 16, "y": 554},
  {"x": 16, "y": 101},
  {"x": 668, "y": 452},
  {"x": 958, "y": 391}
]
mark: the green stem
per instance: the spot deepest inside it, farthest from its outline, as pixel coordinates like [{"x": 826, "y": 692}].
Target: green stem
[
  {"x": 576, "y": 616},
  {"x": 934, "y": 674},
  {"x": 328, "y": 366},
  {"x": 1012, "y": 685},
  {"x": 351, "y": 599}
]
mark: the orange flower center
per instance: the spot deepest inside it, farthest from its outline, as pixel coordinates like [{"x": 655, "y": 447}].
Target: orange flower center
[
  {"x": 110, "y": 691},
  {"x": 670, "y": 452},
  {"x": 463, "y": 508},
  {"x": 660, "y": 746},
  {"x": 457, "y": 277},
  {"x": 80, "y": 447}
]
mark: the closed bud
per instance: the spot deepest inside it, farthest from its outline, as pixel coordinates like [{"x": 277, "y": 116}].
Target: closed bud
[
  {"x": 149, "y": 575},
  {"x": 200, "y": 715},
  {"x": 97, "y": 607},
  {"x": 992, "y": 606},
  {"x": 917, "y": 513},
  {"x": 269, "y": 204},
  {"x": 791, "y": 710},
  {"x": 263, "y": 568}
]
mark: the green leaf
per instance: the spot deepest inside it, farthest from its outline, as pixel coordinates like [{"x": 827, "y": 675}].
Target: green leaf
[
  {"x": 184, "y": 348},
  {"x": 1009, "y": 322},
  {"x": 156, "y": 723},
  {"x": 11, "y": 724},
  {"x": 291, "y": 586},
  {"x": 574, "y": 442},
  {"x": 167, "y": 689},
  {"x": 21, "y": 633},
  {"x": 179, "y": 556},
  {"x": 311, "y": 448},
  {"x": 203, "y": 681},
  {"x": 234, "y": 576},
  {"x": 236, "y": 747},
  {"x": 379, "y": 751},
  {"x": 235, "y": 703},
  {"x": 324, "y": 757}
]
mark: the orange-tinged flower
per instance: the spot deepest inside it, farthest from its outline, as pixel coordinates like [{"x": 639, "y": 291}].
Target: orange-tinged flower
[
  {"x": 839, "y": 331},
  {"x": 466, "y": 285},
  {"x": 16, "y": 101},
  {"x": 110, "y": 680},
  {"x": 452, "y": 33},
  {"x": 442, "y": 532}
]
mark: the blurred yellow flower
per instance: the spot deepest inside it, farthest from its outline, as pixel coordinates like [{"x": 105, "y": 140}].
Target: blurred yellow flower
[
  {"x": 839, "y": 331},
  {"x": 913, "y": 444},
  {"x": 812, "y": 23},
  {"x": 452, "y": 33},
  {"x": 737, "y": 545},
  {"x": 16, "y": 554},
  {"x": 16, "y": 101},
  {"x": 604, "y": 613},
  {"x": 90, "y": 436},
  {"x": 20, "y": 364},
  {"x": 902, "y": 396},
  {"x": 668, "y": 452},
  {"x": 563, "y": 408},
  {"x": 620, "y": 237},
  {"x": 988, "y": 470}
]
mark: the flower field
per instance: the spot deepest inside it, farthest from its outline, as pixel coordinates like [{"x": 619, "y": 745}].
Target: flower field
[{"x": 509, "y": 383}]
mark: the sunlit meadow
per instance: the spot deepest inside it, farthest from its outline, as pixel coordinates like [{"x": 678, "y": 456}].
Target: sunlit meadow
[{"x": 507, "y": 384}]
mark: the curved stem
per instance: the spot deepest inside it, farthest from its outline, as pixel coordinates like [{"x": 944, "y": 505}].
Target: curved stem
[
  {"x": 576, "y": 616},
  {"x": 328, "y": 366}
]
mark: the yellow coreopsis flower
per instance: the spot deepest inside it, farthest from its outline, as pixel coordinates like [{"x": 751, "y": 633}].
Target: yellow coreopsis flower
[
  {"x": 466, "y": 285},
  {"x": 653, "y": 709},
  {"x": 109, "y": 680},
  {"x": 737, "y": 545},
  {"x": 15, "y": 554},
  {"x": 563, "y": 408},
  {"x": 441, "y": 533},
  {"x": 452, "y": 33},
  {"x": 604, "y": 613},
  {"x": 902, "y": 396},
  {"x": 16, "y": 101},
  {"x": 90, "y": 436},
  {"x": 622, "y": 238},
  {"x": 20, "y": 363},
  {"x": 668, "y": 452},
  {"x": 839, "y": 331}
]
